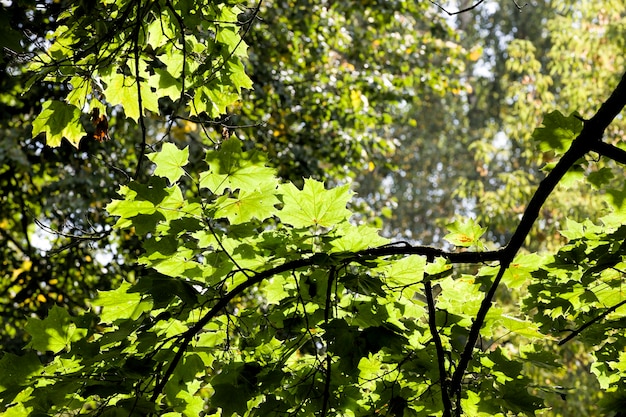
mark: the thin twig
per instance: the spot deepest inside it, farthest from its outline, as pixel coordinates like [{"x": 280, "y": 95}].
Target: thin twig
[
  {"x": 519, "y": 8},
  {"x": 467, "y": 9},
  {"x": 596, "y": 319}
]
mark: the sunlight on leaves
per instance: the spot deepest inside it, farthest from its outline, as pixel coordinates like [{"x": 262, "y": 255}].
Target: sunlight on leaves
[
  {"x": 59, "y": 120},
  {"x": 170, "y": 161},
  {"x": 314, "y": 205},
  {"x": 55, "y": 332}
]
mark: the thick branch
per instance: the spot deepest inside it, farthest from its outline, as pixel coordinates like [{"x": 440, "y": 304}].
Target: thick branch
[
  {"x": 386, "y": 250},
  {"x": 404, "y": 248},
  {"x": 586, "y": 141},
  {"x": 611, "y": 152},
  {"x": 441, "y": 355}
]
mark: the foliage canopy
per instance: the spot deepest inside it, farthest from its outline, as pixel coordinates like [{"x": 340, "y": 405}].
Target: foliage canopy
[{"x": 255, "y": 291}]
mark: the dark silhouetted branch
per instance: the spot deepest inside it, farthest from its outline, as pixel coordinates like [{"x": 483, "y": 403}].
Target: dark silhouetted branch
[
  {"x": 611, "y": 152},
  {"x": 441, "y": 355},
  {"x": 467, "y": 9},
  {"x": 586, "y": 141},
  {"x": 578, "y": 331}
]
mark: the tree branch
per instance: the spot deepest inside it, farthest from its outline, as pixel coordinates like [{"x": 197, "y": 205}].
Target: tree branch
[
  {"x": 441, "y": 354},
  {"x": 467, "y": 9},
  {"x": 586, "y": 141},
  {"x": 611, "y": 152},
  {"x": 402, "y": 248},
  {"x": 596, "y": 319},
  {"x": 329, "y": 360}
]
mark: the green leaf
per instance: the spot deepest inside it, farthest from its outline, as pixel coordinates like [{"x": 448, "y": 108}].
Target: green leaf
[
  {"x": 524, "y": 328},
  {"x": 122, "y": 90},
  {"x": 600, "y": 177},
  {"x": 617, "y": 199},
  {"x": 81, "y": 89},
  {"x": 16, "y": 370},
  {"x": 120, "y": 304},
  {"x": 343, "y": 341},
  {"x": 519, "y": 271},
  {"x": 407, "y": 271},
  {"x": 147, "y": 205},
  {"x": 170, "y": 161},
  {"x": 213, "y": 98},
  {"x": 247, "y": 205},
  {"x": 314, "y": 205},
  {"x": 230, "y": 37},
  {"x": 227, "y": 15},
  {"x": 541, "y": 357},
  {"x": 159, "y": 32},
  {"x": 18, "y": 409},
  {"x": 173, "y": 265},
  {"x": 557, "y": 132},
  {"x": 439, "y": 268},
  {"x": 518, "y": 400},
  {"x": 230, "y": 167},
  {"x": 364, "y": 284},
  {"x": 54, "y": 333},
  {"x": 238, "y": 76},
  {"x": 573, "y": 176},
  {"x": 274, "y": 290},
  {"x": 234, "y": 386},
  {"x": 465, "y": 233},
  {"x": 461, "y": 296},
  {"x": 59, "y": 120},
  {"x": 166, "y": 84},
  {"x": 355, "y": 238}
]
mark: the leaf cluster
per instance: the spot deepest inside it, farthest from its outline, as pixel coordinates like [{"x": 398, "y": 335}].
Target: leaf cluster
[{"x": 259, "y": 296}]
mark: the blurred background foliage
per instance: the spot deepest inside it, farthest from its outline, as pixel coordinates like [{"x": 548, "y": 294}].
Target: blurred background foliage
[{"x": 428, "y": 115}]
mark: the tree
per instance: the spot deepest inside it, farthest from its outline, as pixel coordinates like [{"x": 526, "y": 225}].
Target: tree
[
  {"x": 259, "y": 296},
  {"x": 71, "y": 235}
]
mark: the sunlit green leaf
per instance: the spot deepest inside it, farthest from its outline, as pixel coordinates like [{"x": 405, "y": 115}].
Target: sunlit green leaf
[
  {"x": 170, "y": 161},
  {"x": 407, "y": 271},
  {"x": 119, "y": 304},
  {"x": 519, "y": 272},
  {"x": 54, "y": 333},
  {"x": 314, "y": 205},
  {"x": 59, "y": 120},
  {"x": 247, "y": 205},
  {"x": 355, "y": 238},
  {"x": 122, "y": 90},
  {"x": 521, "y": 327},
  {"x": 557, "y": 132},
  {"x": 617, "y": 199},
  {"x": 230, "y": 37},
  {"x": 465, "y": 233},
  {"x": 230, "y": 167}
]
